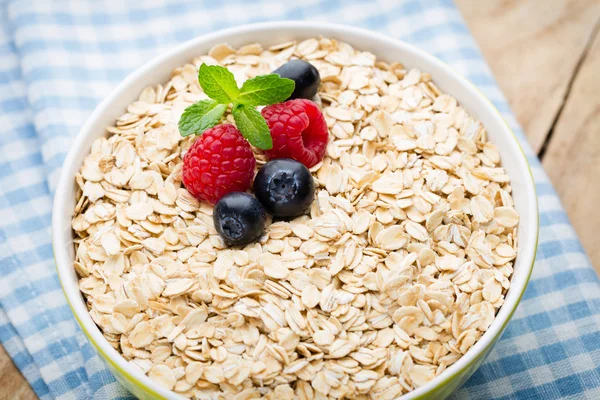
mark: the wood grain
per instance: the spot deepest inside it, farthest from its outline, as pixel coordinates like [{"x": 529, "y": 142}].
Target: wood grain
[
  {"x": 12, "y": 384},
  {"x": 532, "y": 47},
  {"x": 573, "y": 156},
  {"x": 545, "y": 55}
]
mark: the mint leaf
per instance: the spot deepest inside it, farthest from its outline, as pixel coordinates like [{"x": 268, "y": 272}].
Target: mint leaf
[
  {"x": 252, "y": 126},
  {"x": 218, "y": 83},
  {"x": 265, "y": 89},
  {"x": 201, "y": 116}
]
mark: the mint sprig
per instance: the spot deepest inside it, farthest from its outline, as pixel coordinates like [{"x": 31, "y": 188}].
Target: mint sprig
[
  {"x": 219, "y": 84},
  {"x": 265, "y": 89},
  {"x": 201, "y": 116},
  {"x": 248, "y": 120}
]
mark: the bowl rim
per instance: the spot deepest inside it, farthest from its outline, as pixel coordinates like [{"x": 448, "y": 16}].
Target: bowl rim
[{"x": 63, "y": 262}]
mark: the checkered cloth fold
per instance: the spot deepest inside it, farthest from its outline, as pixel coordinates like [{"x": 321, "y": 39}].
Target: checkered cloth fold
[{"x": 58, "y": 59}]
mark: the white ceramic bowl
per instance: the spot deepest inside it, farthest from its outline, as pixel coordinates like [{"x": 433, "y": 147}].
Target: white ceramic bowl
[{"x": 385, "y": 48}]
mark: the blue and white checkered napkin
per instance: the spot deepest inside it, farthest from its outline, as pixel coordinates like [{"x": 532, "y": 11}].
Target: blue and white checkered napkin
[{"x": 58, "y": 59}]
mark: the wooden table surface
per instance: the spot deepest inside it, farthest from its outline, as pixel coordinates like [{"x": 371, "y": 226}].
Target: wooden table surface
[{"x": 545, "y": 55}]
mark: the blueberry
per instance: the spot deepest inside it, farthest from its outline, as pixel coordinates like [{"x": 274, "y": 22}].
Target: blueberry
[
  {"x": 285, "y": 187},
  {"x": 239, "y": 218},
  {"x": 304, "y": 74}
]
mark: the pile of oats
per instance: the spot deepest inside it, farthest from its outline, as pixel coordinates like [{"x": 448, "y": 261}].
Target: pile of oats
[{"x": 398, "y": 270}]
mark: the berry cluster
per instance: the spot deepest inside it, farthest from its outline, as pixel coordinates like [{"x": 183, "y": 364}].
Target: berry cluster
[{"x": 219, "y": 166}]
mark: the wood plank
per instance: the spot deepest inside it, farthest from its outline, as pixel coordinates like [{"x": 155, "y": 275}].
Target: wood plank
[
  {"x": 532, "y": 47},
  {"x": 12, "y": 384},
  {"x": 572, "y": 159}
]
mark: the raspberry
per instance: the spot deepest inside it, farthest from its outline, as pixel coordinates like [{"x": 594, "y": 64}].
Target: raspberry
[
  {"x": 299, "y": 131},
  {"x": 218, "y": 162}
]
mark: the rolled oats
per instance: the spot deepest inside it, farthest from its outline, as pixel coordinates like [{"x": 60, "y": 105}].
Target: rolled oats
[{"x": 397, "y": 271}]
